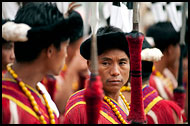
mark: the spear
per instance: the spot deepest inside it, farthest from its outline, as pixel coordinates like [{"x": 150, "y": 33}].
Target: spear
[
  {"x": 179, "y": 92},
  {"x": 135, "y": 41},
  {"x": 93, "y": 93}
]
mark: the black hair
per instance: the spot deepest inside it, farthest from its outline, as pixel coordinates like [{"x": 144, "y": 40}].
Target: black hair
[
  {"x": 78, "y": 29},
  {"x": 108, "y": 29},
  {"x": 163, "y": 34},
  {"x": 36, "y": 14}
]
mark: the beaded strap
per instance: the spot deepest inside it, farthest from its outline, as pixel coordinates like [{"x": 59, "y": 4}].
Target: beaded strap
[
  {"x": 31, "y": 98},
  {"x": 114, "y": 108}
]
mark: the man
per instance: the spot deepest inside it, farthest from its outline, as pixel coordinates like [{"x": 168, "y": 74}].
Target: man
[
  {"x": 8, "y": 55},
  {"x": 167, "y": 40},
  {"x": 113, "y": 68},
  {"x": 157, "y": 110},
  {"x": 71, "y": 76},
  {"x": 43, "y": 36}
]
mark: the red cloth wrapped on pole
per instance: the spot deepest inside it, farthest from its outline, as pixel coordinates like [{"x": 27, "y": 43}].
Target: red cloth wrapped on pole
[
  {"x": 179, "y": 98},
  {"x": 135, "y": 41},
  {"x": 93, "y": 97},
  {"x": 93, "y": 94}
]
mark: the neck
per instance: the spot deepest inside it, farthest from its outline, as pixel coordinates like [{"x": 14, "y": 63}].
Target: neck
[
  {"x": 29, "y": 73},
  {"x": 114, "y": 96},
  {"x": 159, "y": 66}
]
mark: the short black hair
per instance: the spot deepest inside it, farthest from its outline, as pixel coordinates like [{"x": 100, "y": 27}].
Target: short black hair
[
  {"x": 163, "y": 34},
  {"x": 36, "y": 14},
  {"x": 108, "y": 29}
]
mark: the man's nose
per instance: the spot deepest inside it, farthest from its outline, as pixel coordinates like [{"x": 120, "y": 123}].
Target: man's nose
[
  {"x": 115, "y": 70},
  {"x": 12, "y": 57}
]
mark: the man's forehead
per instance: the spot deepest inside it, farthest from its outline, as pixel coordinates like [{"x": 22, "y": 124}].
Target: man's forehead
[{"x": 113, "y": 53}]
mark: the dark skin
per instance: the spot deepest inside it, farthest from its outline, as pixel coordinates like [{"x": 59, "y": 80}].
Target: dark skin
[
  {"x": 113, "y": 68},
  {"x": 8, "y": 55},
  {"x": 33, "y": 72}
]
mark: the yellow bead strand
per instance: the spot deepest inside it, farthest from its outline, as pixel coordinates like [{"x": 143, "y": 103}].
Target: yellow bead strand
[
  {"x": 31, "y": 98},
  {"x": 117, "y": 113}
]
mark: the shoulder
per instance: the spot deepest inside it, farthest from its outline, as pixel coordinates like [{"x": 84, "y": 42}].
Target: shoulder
[
  {"x": 76, "y": 97},
  {"x": 167, "y": 112},
  {"x": 75, "y": 109},
  {"x": 75, "y": 100}
]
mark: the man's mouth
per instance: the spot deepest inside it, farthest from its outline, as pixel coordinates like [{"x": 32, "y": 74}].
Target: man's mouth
[{"x": 114, "y": 81}]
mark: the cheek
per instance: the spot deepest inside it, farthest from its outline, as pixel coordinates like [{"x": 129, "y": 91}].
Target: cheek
[
  {"x": 102, "y": 73},
  {"x": 6, "y": 56},
  {"x": 125, "y": 73}
]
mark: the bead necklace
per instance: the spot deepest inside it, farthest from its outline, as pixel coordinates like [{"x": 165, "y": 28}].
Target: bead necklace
[
  {"x": 164, "y": 79},
  {"x": 125, "y": 88},
  {"x": 31, "y": 98},
  {"x": 114, "y": 108}
]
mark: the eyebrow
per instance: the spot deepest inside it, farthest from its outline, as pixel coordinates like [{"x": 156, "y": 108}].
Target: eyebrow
[
  {"x": 124, "y": 59},
  {"x": 107, "y": 59}
]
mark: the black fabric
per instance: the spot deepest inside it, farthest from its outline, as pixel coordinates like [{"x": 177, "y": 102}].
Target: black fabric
[
  {"x": 146, "y": 69},
  {"x": 146, "y": 44},
  {"x": 116, "y": 4},
  {"x": 114, "y": 40},
  {"x": 71, "y": 27},
  {"x": 130, "y": 5}
]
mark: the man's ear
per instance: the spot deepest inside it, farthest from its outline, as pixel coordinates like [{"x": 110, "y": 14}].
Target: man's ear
[{"x": 50, "y": 51}]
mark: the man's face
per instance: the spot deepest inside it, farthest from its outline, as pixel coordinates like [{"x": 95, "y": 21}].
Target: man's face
[
  {"x": 174, "y": 56},
  {"x": 113, "y": 67},
  {"x": 8, "y": 55},
  {"x": 57, "y": 60}
]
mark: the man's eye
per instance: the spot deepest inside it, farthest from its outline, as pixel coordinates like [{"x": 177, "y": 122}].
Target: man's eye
[
  {"x": 122, "y": 63},
  {"x": 105, "y": 63}
]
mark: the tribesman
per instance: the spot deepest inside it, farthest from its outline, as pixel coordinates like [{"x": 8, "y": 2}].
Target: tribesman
[
  {"x": 164, "y": 72},
  {"x": 169, "y": 112},
  {"x": 113, "y": 68},
  {"x": 8, "y": 55}
]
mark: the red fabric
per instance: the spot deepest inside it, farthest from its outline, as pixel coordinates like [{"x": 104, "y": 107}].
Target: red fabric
[
  {"x": 135, "y": 41},
  {"x": 149, "y": 120},
  {"x": 12, "y": 89},
  {"x": 5, "y": 111},
  {"x": 179, "y": 98},
  {"x": 163, "y": 109},
  {"x": 152, "y": 83},
  {"x": 75, "y": 111},
  {"x": 93, "y": 97},
  {"x": 163, "y": 112}
]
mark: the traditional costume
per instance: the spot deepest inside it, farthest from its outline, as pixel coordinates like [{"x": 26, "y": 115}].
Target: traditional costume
[
  {"x": 110, "y": 112},
  {"x": 157, "y": 110},
  {"x": 163, "y": 84},
  {"x": 21, "y": 104},
  {"x": 75, "y": 112},
  {"x": 17, "y": 108}
]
